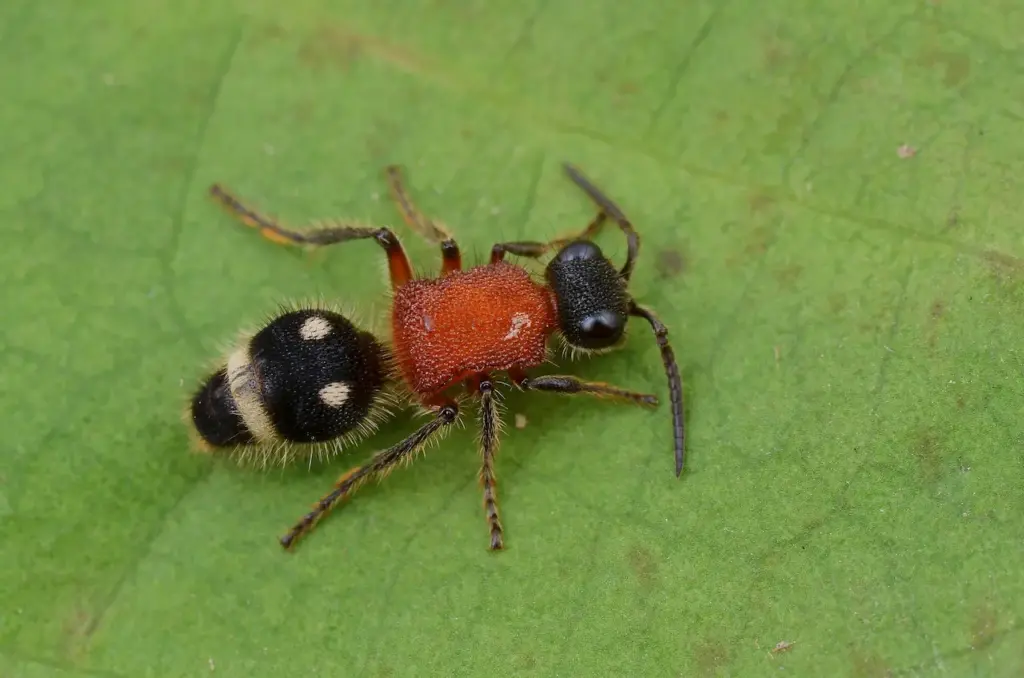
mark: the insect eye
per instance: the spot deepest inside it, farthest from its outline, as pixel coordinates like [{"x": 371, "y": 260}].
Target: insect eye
[{"x": 599, "y": 330}]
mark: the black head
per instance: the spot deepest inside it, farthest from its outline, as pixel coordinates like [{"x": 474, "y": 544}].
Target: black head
[{"x": 593, "y": 305}]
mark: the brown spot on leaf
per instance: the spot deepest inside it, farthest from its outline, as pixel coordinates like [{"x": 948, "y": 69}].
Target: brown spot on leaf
[
  {"x": 960, "y": 403},
  {"x": 759, "y": 202},
  {"x": 783, "y": 646},
  {"x": 669, "y": 263},
  {"x": 721, "y": 116},
  {"x": 268, "y": 32},
  {"x": 837, "y": 302},
  {"x": 329, "y": 47},
  {"x": 78, "y": 629},
  {"x": 628, "y": 88},
  {"x": 711, "y": 655},
  {"x": 937, "y": 311},
  {"x": 956, "y": 66},
  {"x": 775, "y": 53},
  {"x": 868, "y": 665},
  {"x": 1003, "y": 262},
  {"x": 335, "y": 45},
  {"x": 906, "y": 151},
  {"x": 787, "y": 275},
  {"x": 984, "y": 627},
  {"x": 643, "y": 564},
  {"x": 758, "y": 242},
  {"x": 527, "y": 661},
  {"x": 953, "y": 218},
  {"x": 928, "y": 453}
]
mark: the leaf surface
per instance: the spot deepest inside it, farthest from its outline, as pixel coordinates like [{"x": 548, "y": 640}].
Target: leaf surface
[{"x": 828, "y": 196}]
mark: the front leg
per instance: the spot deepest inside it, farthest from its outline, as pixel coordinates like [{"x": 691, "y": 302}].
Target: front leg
[
  {"x": 535, "y": 250},
  {"x": 431, "y": 230},
  {"x": 558, "y": 383}
]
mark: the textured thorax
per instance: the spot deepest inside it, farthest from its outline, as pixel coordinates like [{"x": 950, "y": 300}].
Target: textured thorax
[{"x": 487, "y": 318}]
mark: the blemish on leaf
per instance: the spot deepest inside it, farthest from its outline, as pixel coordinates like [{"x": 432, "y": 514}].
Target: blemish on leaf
[
  {"x": 953, "y": 218},
  {"x": 527, "y": 662},
  {"x": 984, "y": 625},
  {"x": 628, "y": 88},
  {"x": 775, "y": 53},
  {"x": 268, "y": 31},
  {"x": 643, "y": 564},
  {"x": 711, "y": 655},
  {"x": 78, "y": 629},
  {"x": 938, "y": 310},
  {"x": 334, "y": 45},
  {"x": 759, "y": 202},
  {"x": 329, "y": 47},
  {"x": 837, "y": 302},
  {"x": 956, "y": 66},
  {"x": 783, "y": 646},
  {"x": 928, "y": 453},
  {"x": 787, "y": 275},
  {"x": 906, "y": 151},
  {"x": 867, "y": 665},
  {"x": 669, "y": 263},
  {"x": 1003, "y": 262},
  {"x": 758, "y": 242}
]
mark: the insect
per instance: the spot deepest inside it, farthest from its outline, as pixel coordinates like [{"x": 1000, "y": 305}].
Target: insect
[{"x": 310, "y": 376}]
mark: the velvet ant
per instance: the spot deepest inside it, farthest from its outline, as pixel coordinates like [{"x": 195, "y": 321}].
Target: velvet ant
[{"x": 311, "y": 377}]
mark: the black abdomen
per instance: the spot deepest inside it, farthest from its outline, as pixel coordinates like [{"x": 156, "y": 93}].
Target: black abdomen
[
  {"x": 307, "y": 376},
  {"x": 214, "y": 414}
]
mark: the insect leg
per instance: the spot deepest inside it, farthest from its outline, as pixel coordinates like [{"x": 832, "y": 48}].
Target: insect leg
[
  {"x": 490, "y": 423},
  {"x": 558, "y": 383},
  {"x": 427, "y": 228},
  {"x": 378, "y": 467},
  {"x": 327, "y": 233},
  {"x": 612, "y": 210},
  {"x": 675, "y": 382},
  {"x": 533, "y": 249}
]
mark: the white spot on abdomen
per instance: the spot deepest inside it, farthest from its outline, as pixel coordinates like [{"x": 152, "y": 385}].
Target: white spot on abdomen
[
  {"x": 334, "y": 394},
  {"x": 315, "y": 328},
  {"x": 519, "y": 321}
]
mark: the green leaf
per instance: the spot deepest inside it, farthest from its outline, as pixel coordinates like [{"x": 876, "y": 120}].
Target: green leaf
[{"x": 846, "y": 315}]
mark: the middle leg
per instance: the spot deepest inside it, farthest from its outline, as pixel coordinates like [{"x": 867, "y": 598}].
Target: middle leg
[
  {"x": 490, "y": 423},
  {"x": 432, "y": 231}
]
